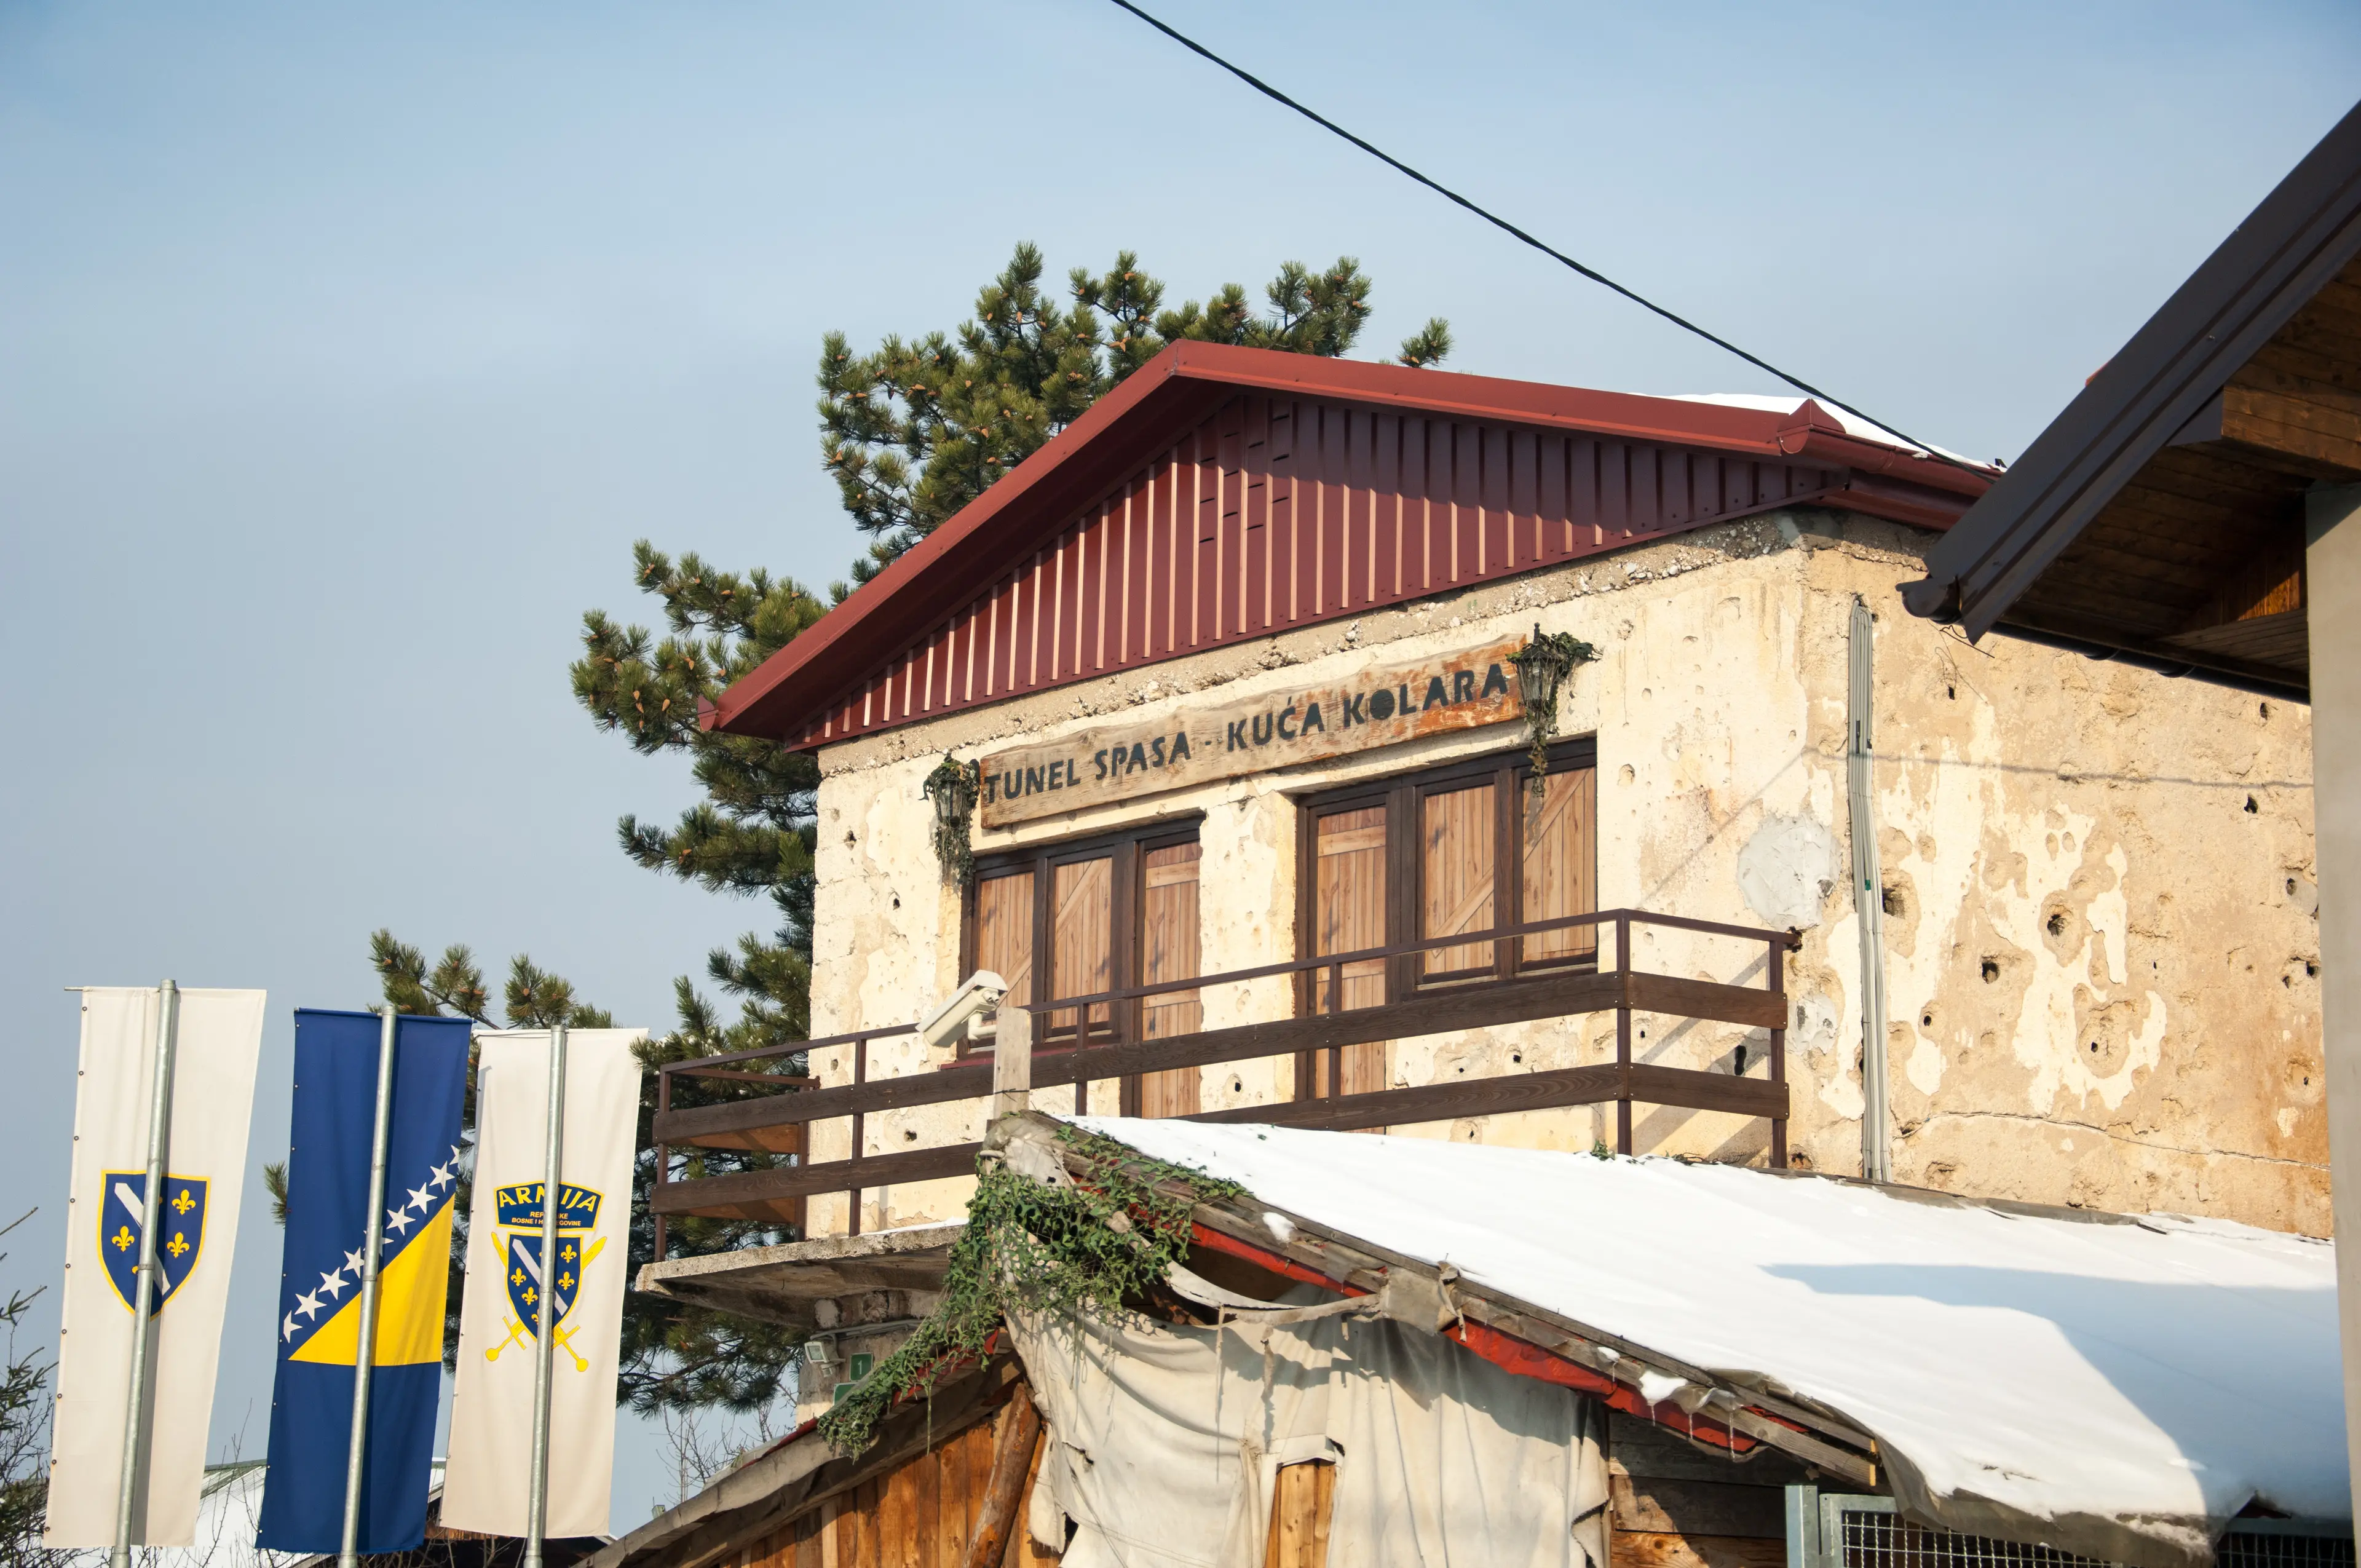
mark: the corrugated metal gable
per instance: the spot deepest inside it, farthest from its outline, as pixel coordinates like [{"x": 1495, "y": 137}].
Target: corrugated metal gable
[{"x": 1276, "y": 512}]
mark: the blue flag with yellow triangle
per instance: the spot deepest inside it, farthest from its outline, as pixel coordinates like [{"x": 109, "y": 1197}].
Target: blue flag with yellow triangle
[{"x": 319, "y": 1290}]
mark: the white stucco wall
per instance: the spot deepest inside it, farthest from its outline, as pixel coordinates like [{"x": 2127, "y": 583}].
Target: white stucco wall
[{"x": 2103, "y": 956}]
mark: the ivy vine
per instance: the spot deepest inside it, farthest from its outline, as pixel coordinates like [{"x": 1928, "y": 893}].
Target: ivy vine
[{"x": 1077, "y": 1250}]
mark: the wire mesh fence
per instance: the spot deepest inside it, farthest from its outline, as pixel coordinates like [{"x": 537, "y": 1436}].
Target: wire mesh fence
[{"x": 1866, "y": 1532}]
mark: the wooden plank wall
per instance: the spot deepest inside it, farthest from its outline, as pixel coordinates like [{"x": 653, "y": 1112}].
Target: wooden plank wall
[
  {"x": 918, "y": 1515},
  {"x": 1279, "y": 512},
  {"x": 1678, "y": 1507}
]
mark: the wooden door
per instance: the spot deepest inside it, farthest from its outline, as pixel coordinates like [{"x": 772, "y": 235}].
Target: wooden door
[
  {"x": 1168, "y": 950},
  {"x": 1348, "y": 916},
  {"x": 1459, "y": 834},
  {"x": 1003, "y": 932},
  {"x": 1082, "y": 946},
  {"x": 1559, "y": 876}
]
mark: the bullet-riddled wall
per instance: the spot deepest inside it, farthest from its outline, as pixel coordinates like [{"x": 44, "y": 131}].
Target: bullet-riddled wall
[{"x": 2101, "y": 965}]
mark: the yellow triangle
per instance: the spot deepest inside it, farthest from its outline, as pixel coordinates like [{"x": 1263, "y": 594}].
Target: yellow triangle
[{"x": 411, "y": 1292}]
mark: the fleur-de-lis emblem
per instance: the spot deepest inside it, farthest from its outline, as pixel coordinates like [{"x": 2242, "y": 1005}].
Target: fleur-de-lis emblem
[
  {"x": 178, "y": 1245},
  {"x": 565, "y": 1282},
  {"x": 183, "y": 1204},
  {"x": 517, "y": 1277},
  {"x": 123, "y": 1238}
]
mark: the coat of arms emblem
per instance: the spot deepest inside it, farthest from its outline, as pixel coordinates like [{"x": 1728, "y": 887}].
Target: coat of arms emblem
[
  {"x": 180, "y": 1235},
  {"x": 518, "y": 1211}
]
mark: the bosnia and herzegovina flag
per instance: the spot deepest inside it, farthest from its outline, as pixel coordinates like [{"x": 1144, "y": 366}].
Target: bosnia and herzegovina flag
[{"x": 319, "y": 1291}]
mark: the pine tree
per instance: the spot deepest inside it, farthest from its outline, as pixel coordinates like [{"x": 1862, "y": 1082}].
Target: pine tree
[
  {"x": 915, "y": 430},
  {"x": 912, "y": 431}
]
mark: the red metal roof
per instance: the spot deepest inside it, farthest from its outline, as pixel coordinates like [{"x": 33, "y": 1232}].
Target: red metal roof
[{"x": 1222, "y": 494}]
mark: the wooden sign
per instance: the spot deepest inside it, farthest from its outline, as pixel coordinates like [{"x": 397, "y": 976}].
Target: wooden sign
[{"x": 1385, "y": 703}]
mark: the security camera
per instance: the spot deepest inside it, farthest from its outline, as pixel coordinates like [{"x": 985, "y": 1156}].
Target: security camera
[{"x": 979, "y": 993}]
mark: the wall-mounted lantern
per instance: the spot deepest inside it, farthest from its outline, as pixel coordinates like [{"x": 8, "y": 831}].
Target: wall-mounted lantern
[
  {"x": 1542, "y": 666},
  {"x": 953, "y": 786}
]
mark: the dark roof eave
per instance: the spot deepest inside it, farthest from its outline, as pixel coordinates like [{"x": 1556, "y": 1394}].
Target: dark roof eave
[{"x": 2298, "y": 238}]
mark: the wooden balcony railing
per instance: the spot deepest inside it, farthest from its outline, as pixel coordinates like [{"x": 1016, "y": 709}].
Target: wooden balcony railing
[{"x": 778, "y": 1123}]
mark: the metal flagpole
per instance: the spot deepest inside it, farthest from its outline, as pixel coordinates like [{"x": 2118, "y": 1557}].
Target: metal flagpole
[
  {"x": 537, "y": 1503},
  {"x": 143, "y": 1306},
  {"x": 373, "y": 1249}
]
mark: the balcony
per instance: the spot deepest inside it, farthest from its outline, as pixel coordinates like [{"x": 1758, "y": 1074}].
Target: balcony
[{"x": 1118, "y": 1036}]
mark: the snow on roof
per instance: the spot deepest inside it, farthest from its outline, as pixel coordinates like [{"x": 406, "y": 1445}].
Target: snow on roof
[
  {"x": 1854, "y": 424},
  {"x": 2159, "y": 1374}
]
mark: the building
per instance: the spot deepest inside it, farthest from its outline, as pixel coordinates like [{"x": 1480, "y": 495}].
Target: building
[
  {"x": 1209, "y": 732},
  {"x": 1234, "y": 654},
  {"x": 2192, "y": 511}
]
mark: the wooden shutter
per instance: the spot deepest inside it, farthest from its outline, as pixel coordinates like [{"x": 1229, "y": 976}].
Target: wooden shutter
[
  {"x": 1168, "y": 950},
  {"x": 1458, "y": 858},
  {"x": 1349, "y": 915},
  {"x": 1560, "y": 873}
]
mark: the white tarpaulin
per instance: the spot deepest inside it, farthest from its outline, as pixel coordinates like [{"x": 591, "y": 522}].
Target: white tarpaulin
[
  {"x": 2119, "y": 1387},
  {"x": 220, "y": 1037},
  {"x": 1156, "y": 1433},
  {"x": 491, "y": 1413}
]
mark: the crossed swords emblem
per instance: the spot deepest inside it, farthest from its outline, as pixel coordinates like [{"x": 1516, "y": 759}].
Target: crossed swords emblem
[{"x": 560, "y": 1335}]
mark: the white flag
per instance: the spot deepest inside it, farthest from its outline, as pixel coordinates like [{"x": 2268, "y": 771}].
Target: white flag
[
  {"x": 219, "y": 1039},
  {"x": 491, "y": 1464}
]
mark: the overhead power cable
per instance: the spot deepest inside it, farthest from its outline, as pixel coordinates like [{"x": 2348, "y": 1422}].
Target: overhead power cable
[{"x": 1267, "y": 91}]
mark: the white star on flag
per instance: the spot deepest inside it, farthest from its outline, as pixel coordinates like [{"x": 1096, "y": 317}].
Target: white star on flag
[
  {"x": 443, "y": 1175},
  {"x": 308, "y": 1305},
  {"x": 333, "y": 1284},
  {"x": 354, "y": 1259},
  {"x": 421, "y": 1199},
  {"x": 287, "y": 1330},
  {"x": 398, "y": 1220}
]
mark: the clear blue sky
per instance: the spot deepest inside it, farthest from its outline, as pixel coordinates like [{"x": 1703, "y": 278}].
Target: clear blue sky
[{"x": 343, "y": 354}]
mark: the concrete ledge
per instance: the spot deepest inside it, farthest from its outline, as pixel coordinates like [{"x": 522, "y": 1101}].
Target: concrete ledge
[{"x": 784, "y": 1284}]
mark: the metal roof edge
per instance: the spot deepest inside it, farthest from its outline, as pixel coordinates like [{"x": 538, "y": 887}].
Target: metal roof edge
[
  {"x": 2266, "y": 270},
  {"x": 1185, "y": 381}
]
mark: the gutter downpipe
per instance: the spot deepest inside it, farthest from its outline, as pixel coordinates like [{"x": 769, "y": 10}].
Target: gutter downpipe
[{"x": 1868, "y": 901}]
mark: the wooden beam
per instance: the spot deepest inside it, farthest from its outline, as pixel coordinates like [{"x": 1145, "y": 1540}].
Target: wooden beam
[{"x": 2314, "y": 431}]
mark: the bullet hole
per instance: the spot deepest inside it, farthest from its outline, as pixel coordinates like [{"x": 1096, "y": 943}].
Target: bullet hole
[
  {"x": 2251, "y": 807},
  {"x": 1237, "y": 1087},
  {"x": 1517, "y": 1057},
  {"x": 897, "y": 901},
  {"x": 909, "y": 1135},
  {"x": 848, "y": 837},
  {"x": 2290, "y": 887},
  {"x": 2311, "y": 969},
  {"x": 1894, "y": 903},
  {"x": 2094, "y": 1048},
  {"x": 1738, "y": 1061},
  {"x": 2057, "y": 922},
  {"x": 1952, "y": 692},
  {"x": 1992, "y": 971},
  {"x": 1927, "y": 1020},
  {"x": 2265, "y": 708}
]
